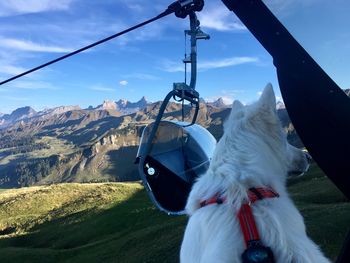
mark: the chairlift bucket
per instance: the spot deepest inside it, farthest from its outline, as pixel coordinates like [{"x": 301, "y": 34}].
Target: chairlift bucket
[{"x": 171, "y": 161}]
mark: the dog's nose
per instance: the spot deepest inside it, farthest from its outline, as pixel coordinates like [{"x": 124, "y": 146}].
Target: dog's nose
[
  {"x": 308, "y": 157},
  {"x": 303, "y": 166}
]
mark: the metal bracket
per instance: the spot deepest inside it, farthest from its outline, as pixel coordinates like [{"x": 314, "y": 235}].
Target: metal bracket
[{"x": 182, "y": 8}]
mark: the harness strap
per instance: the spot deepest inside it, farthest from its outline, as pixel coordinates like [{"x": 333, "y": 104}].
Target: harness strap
[
  {"x": 245, "y": 214},
  {"x": 247, "y": 223},
  {"x": 217, "y": 199},
  {"x": 259, "y": 193}
]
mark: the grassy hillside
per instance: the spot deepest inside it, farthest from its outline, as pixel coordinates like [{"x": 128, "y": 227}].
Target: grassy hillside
[{"x": 115, "y": 222}]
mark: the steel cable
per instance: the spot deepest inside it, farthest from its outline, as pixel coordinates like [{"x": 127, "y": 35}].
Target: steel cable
[{"x": 163, "y": 14}]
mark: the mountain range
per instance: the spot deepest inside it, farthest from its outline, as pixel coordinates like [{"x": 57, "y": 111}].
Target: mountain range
[
  {"x": 97, "y": 144},
  {"x": 120, "y": 107},
  {"x": 28, "y": 114}
]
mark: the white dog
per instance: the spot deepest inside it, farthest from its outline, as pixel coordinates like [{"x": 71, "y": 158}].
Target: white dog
[{"x": 253, "y": 152}]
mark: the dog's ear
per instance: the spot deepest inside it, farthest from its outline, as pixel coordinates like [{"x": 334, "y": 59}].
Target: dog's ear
[
  {"x": 237, "y": 105},
  {"x": 267, "y": 100},
  {"x": 237, "y": 112}
]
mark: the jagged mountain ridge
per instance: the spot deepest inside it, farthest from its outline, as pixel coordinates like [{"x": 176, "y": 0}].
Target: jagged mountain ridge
[
  {"x": 219, "y": 103},
  {"x": 123, "y": 106},
  {"x": 24, "y": 115},
  {"x": 17, "y": 115},
  {"x": 58, "y": 110}
]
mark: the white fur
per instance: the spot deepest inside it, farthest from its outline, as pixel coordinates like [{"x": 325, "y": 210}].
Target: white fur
[{"x": 253, "y": 152}]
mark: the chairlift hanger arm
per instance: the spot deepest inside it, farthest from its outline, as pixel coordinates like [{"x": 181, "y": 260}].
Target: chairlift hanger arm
[{"x": 195, "y": 34}]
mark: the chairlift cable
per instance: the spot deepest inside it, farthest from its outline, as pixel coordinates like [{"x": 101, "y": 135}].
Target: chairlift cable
[{"x": 171, "y": 9}]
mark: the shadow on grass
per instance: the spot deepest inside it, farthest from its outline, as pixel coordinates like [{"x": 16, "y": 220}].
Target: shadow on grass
[
  {"x": 120, "y": 168},
  {"x": 92, "y": 130},
  {"x": 130, "y": 231},
  {"x": 325, "y": 209}
]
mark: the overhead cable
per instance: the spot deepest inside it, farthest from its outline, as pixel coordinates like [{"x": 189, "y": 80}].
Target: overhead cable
[{"x": 171, "y": 9}]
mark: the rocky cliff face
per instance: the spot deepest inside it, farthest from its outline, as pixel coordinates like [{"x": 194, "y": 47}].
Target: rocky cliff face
[
  {"x": 19, "y": 114},
  {"x": 107, "y": 105},
  {"x": 219, "y": 103},
  {"x": 128, "y": 107},
  {"x": 59, "y": 110}
]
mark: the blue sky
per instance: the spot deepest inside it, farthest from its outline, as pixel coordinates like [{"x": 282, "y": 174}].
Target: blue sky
[{"x": 232, "y": 64}]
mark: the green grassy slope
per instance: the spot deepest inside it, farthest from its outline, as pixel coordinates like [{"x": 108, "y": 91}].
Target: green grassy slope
[{"x": 115, "y": 222}]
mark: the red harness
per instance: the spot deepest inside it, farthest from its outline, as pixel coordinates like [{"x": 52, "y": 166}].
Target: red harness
[{"x": 245, "y": 215}]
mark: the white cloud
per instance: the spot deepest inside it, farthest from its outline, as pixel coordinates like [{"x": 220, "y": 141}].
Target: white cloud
[
  {"x": 11, "y": 70},
  {"x": 32, "y": 85},
  {"x": 287, "y": 7},
  {"x": 22, "y": 45},
  {"x": 123, "y": 82},
  {"x": 233, "y": 92},
  {"x": 227, "y": 95},
  {"x": 142, "y": 76},
  {"x": 218, "y": 17},
  {"x": 227, "y": 62},
  {"x": 15, "y": 7},
  {"x": 135, "y": 7},
  {"x": 171, "y": 66},
  {"x": 14, "y": 98},
  {"x": 101, "y": 88}
]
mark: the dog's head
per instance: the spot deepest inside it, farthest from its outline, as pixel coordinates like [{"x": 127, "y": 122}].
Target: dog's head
[{"x": 254, "y": 141}]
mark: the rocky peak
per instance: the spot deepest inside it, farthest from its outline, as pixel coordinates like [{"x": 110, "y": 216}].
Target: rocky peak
[
  {"x": 219, "y": 103},
  {"x": 60, "y": 110},
  {"x": 122, "y": 103},
  {"x": 17, "y": 115},
  {"x": 128, "y": 107},
  {"x": 107, "y": 105},
  {"x": 22, "y": 113},
  {"x": 143, "y": 99},
  {"x": 142, "y": 103}
]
